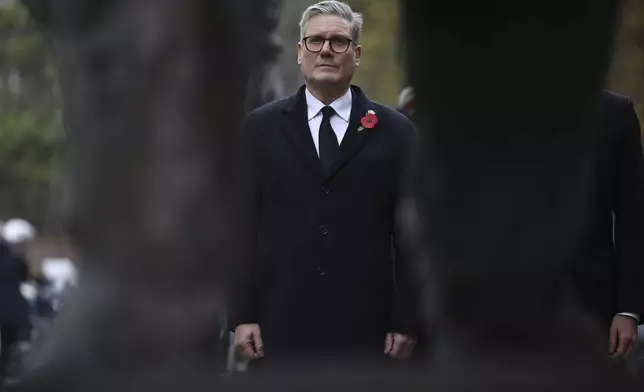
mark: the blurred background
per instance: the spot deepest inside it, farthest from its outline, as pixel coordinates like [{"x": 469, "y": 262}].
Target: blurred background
[{"x": 31, "y": 123}]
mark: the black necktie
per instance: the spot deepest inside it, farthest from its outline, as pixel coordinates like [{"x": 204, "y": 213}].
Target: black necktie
[{"x": 328, "y": 140}]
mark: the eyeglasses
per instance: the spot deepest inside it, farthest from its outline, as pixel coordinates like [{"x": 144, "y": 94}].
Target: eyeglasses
[{"x": 338, "y": 44}]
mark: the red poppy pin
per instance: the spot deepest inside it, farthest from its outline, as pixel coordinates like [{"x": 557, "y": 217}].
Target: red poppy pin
[{"x": 368, "y": 121}]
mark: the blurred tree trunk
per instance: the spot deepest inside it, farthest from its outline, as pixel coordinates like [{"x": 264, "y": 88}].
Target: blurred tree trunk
[
  {"x": 153, "y": 188},
  {"x": 507, "y": 134}
]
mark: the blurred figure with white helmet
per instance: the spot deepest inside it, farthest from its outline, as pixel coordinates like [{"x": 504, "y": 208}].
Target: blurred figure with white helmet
[
  {"x": 18, "y": 233},
  {"x": 14, "y": 310}
]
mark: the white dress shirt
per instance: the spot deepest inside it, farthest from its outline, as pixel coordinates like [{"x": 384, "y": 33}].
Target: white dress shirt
[{"x": 339, "y": 121}]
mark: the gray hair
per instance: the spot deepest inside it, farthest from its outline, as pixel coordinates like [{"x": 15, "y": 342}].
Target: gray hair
[{"x": 333, "y": 8}]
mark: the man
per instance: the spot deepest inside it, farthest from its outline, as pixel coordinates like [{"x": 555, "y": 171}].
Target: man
[
  {"x": 610, "y": 274},
  {"x": 329, "y": 276}
]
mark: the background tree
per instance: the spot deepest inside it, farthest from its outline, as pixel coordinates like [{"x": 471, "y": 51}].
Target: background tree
[
  {"x": 30, "y": 117},
  {"x": 627, "y": 74}
]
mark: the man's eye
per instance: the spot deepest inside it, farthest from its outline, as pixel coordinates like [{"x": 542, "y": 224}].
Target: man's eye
[{"x": 315, "y": 40}]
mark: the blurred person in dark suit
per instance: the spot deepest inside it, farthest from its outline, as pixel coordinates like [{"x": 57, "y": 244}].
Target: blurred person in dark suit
[
  {"x": 330, "y": 277},
  {"x": 609, "y": 275},
  {"x": 14, "y": 309}
]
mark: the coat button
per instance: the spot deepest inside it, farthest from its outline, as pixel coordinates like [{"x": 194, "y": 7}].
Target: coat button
[
  {"x": 321, "y": 271},
  {"x": 325, "y": 191},
  {"x": 324, "y": 230}
]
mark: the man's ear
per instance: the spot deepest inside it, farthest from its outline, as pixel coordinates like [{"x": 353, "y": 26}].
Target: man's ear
[
  {"x": 358, "y": 54},
  {"x": 299, "y": 52}
]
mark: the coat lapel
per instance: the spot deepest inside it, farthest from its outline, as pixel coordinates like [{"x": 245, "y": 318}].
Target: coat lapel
[
  {"x": 353, "y": 140},
  {"x": 296, "y": 129}
]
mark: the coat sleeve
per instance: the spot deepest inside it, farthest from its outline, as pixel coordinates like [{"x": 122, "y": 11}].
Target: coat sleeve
[
  {"x": 404, "y": 314},
  {"x": 242, "y": 306},
  {"x": 629, "y": 213}
]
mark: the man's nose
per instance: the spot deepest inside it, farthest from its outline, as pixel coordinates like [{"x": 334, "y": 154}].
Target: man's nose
[{"x": 326, "y": 47}]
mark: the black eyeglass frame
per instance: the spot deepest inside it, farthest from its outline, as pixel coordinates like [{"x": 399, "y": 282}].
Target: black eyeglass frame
[{"x": 324, "y": 40}]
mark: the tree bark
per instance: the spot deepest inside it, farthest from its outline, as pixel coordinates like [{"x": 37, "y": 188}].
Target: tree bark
[
  {"x": 505, "y": 111},
  {"x": 153, "y": 187}
]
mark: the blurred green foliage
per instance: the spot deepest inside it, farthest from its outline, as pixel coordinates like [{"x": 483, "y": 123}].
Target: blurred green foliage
[
  {"x": 627, "y": 73},
  {"x": 30, "y": 118},
  {"x": 380, "y": 72}
]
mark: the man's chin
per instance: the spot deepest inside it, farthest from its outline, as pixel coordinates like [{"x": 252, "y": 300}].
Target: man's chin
[{"x": 330, "y": 80}]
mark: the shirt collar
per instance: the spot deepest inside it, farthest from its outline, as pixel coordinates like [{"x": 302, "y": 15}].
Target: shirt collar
[{"x": 342, "y": 105}]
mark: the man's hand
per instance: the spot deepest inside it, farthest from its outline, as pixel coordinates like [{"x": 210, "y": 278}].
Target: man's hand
[
  {"x": 623, "y": 337},
  {"x": 248, "y": 341},
  {"x": 399, "y": 346}
]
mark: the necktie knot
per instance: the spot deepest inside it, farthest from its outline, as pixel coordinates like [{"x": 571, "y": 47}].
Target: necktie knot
[{"x": 327, "y": 112}]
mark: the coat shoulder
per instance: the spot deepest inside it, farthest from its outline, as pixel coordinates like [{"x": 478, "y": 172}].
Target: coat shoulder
[
  {"x": 261, "y": 120},
  {"x": 618, "y": 110},
  {"x": 267, "y": 110},
  {"x": 399, "y": 122},
  {"x": 612, "y": 98}
]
